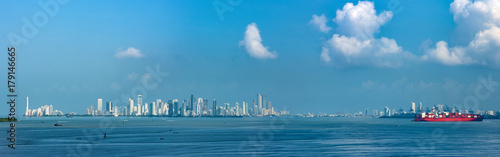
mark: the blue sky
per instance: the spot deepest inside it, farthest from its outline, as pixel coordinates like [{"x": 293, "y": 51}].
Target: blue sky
[{"x": 422, "y": 51}]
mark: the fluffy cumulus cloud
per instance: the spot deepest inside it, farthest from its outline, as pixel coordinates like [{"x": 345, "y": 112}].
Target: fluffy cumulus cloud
[
  {"x": 253, "y": 44},
  {"x": 355, "y": 44},
  {"x": 320, "y": 23},
  {"x": 361, "y": 20},
  {"x": 477, "y": 22},
  {"x": 129, "y": 52}
]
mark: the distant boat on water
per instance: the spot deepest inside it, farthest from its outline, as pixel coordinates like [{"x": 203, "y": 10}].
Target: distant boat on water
[{"x": 58, "y": 124}]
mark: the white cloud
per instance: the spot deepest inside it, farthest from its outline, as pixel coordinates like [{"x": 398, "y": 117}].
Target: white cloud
[
  {"x": 325, "y": 55},
  {"x": 253, "y": 44},
  {"x": 442, "y": 54},
  {"x": 320, "y": 23},
  {"x": 130, "y": 52},
  {"x": 478, "y": 23},
  {"x": 355, "y": 43},
  {"x": 361, "y": 20},
  {"x": 348, "y": 46}
]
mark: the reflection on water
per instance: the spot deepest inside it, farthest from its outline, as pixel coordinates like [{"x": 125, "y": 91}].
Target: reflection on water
[{"x": 250, "y": 136}]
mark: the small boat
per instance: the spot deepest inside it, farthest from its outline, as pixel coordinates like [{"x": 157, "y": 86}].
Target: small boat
[{"x": 58, "y": 124}]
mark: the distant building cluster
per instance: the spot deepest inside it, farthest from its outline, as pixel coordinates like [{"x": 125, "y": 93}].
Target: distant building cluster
[
  {"x": 437, "y": 108},
  {"x": 46, "y": 110},
  {"x": 410, "y": 113},
  {"x": 188, "y": 107}
]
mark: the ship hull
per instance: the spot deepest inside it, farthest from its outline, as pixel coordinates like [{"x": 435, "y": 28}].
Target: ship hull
[{"x": 448, "y": 119}]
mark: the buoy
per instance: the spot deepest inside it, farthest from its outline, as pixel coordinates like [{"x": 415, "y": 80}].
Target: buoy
[{"x": 105, "y": 134}]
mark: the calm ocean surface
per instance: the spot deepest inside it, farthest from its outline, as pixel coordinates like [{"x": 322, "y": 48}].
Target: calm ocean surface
[{"x": 258, "y": 136}]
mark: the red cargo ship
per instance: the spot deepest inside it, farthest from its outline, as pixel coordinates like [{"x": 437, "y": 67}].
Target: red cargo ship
[{"x": 447, "y": 117}]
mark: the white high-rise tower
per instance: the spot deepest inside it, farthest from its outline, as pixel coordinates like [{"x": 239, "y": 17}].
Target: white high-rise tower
[
  {"x": 131, "y": 105},
  {"x": 99, "y": 106},
  {"x": 259, "y": 101},
  {"x": 198, "y": 106},
  {"x": 27, "y": 107},
  {"x": 412, "y": 107}
]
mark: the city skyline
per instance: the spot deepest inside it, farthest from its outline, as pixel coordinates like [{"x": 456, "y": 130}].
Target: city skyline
[
  {"x": 318, "y": 58},
  {"x": 189, "y": 109},
  {"x": 201, "y": 107}
]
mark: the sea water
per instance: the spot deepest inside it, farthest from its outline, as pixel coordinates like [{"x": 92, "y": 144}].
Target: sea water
[{"x": 249, "y": 136}]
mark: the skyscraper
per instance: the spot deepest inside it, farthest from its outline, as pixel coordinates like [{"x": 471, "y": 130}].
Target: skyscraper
[
  {"x": 115, "y": 111},
  {"x": 184, "y": 104},
  {"x": 259, "y": 101},
  {"x": 109, "y": 106},
  {"x": 139, "y": 99},
  {"x": 27, "y": 107},
  {"x": 214, "y": 107},
  {"x": 237, "y": 108},
  {"x": 269, "y": 105},
  {"x": 198, "y": 106},
  {"x": 420, "y": 106},
  {"x": 191, "y": 102},
  {"x": 131, "y": 106},
  {"x": 176, "y": 107},
  {"x": 387, "y": 111},
  {"x": 412, "y": 107},
  {"x": 99, "y": 105},
  {"x": 170, "y": 108},
  {"x": 139, "y": 109},
  {"x": 264, "y": 101},
  {"x": 152, "y": 109},
  {"x": 244, "y": 108},
  {"x": 205, "y": 106}
]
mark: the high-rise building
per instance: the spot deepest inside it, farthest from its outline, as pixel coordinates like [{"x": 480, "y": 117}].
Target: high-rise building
[
  {"x": 420, "y": 106},
  {"x": 109, "y": 106},
  {"x": 264, "y": 101},
  {"x": 139, "y": 99},
  {"x": 92, "y": 109},
  {"x": 244, "y": 108},
  {"x": 198, "y": 106},
  {"x": 205, "y": 106},
  {"x": 139, "y": 109},
  {"x": 269, "y": 105},
  {"x": 259, "y": 101},
  {"x": 27, "y": 107},
  {"x": 99, "y": 105},
  {"x": 176, "y": 107},
  {"x": 115, "y": 111},
  {"x": 413, "y": 109},
  {"x": 170, "y": 108},
  {"x": 152, "y": 109},
  {"x": 131, "y": 106},
  {"x": 214, "y": 107},
  {"x": 191, "y": 102},
  {"x": 184, "y": 104},
  {"x": 237, "y": 108},
  {"x": 387, "y": 111}
]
